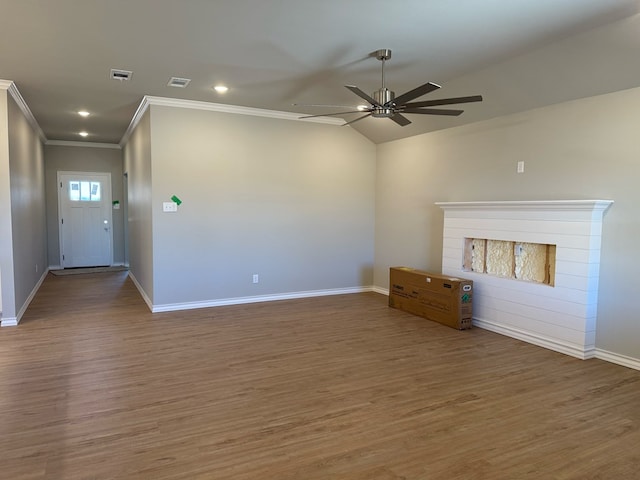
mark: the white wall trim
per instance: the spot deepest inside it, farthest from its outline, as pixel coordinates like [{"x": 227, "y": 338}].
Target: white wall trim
[
  {"x": 9, "y": 322},
  {"x": 13, "y": 91},
  {"x": 535, "y": 339},
  {"x": 14, "y": 321},
  {"x": 258, "y": 298},
  {"x": 383, "y": 291},
  {"x": 618, "y": 359},
  {"x": 218, "y": 107},
  {"x": 135, "y": 120},
  {"x": 56, "y": 267},
  {"x": 143, "y": 294},
  {"x": 66, "y": 143}
]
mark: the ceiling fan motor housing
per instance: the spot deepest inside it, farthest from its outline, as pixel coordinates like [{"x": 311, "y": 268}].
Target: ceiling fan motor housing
[{"x": 383, "y": 97}]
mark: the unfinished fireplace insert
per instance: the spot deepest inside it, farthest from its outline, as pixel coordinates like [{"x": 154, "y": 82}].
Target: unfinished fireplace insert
[{"x": 527, "y": 261}]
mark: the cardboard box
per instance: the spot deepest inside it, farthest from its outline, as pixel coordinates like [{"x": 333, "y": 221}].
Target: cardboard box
[{"x": 443, "y": 299}]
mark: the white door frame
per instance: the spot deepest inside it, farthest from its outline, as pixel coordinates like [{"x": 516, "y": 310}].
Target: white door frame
[{"x": 106, "y": 192}]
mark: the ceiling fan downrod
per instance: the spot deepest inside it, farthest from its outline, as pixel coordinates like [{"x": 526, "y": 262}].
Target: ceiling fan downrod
[{"x": 384, "y": 97}]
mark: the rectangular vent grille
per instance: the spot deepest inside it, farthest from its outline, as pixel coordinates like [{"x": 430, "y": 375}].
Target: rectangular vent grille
[
  {"x": 122, "y": 75},
  {"x": 178, "y": 82}
]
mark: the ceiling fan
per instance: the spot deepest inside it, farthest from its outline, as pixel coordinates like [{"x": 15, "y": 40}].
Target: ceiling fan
[{"x": 384, "y": 104}]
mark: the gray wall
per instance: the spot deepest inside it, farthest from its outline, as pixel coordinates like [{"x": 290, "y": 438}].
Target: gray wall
[
  {"x": 137, "y": 165},
  {"x": 290, "y": 201},
  {"x": 6, "y": 243},
  {"x": 585, "y": 149},
  {"x": 82, "y": 159},
  {"x": 24, "y": 254}
]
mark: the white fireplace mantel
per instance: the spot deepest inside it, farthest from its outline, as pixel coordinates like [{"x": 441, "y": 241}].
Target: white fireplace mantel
[
  {"x": 542, "y": 205},
  {"x": 560, "y": 317}
]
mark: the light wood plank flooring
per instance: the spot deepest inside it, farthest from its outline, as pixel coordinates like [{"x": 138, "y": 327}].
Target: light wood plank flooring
[{"x": 93, "y": 386}]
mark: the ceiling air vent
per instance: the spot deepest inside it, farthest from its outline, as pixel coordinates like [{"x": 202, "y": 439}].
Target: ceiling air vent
[
  {"x": 122, "y": 75},
  {"x": 178, "y": 82}
]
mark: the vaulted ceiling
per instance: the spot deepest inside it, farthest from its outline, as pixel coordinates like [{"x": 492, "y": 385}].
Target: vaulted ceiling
[{"x": 271, "y": 54}]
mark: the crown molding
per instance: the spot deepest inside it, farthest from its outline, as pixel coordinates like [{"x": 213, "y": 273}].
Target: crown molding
[
  {"x": 135, "y": 120},
  {"x": 218, "y": 107},
  {"x": 10, "y": 86},
  {"x": 68, "y": 143}
]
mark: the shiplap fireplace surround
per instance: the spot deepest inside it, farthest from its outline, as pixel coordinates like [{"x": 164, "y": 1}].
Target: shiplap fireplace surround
[{"x": 560, "y": 317}]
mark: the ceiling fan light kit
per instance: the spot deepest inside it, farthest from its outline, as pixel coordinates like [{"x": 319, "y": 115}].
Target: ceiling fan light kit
[{"x": 384, "y": 104}]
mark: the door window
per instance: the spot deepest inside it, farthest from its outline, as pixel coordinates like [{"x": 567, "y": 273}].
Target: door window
[{"x": 84, "y": 191}]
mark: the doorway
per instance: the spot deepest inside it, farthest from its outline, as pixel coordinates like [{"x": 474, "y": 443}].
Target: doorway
[{"x": 84, "y": 211}]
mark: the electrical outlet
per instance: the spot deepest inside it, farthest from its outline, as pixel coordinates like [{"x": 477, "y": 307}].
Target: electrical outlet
[
  {"x": 520, "y": 168},
  {"x": 256, "y": 278}
]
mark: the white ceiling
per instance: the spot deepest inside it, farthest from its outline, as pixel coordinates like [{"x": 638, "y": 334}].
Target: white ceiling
[{"x": 518, "y": 54}]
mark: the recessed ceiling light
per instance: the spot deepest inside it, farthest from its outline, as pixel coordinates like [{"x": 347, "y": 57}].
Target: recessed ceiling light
[
  {"x": 221, "y": 89},
  {"x": 83, "y": 113},
  {"x": 83, "y": 134}
]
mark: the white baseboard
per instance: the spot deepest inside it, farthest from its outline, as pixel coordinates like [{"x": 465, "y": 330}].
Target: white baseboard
[
  {"x": 618, "y": 359},
  {"x": 14, "y": 321},
  {"x": 536, "y": 339},
  {"x": 383, "y": 291},
  {"x": 9, "y": 322},
  {"x": 143, "y": 294},
  {"x": 56, "y": 267},
  {"x": 256, "y": 299}
]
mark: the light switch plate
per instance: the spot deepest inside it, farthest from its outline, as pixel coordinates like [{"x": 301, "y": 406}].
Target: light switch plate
[{"x": 169, "y": 207}]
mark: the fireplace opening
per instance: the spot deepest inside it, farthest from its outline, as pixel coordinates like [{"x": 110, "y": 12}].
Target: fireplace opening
[{"x": 526, "y": 261}]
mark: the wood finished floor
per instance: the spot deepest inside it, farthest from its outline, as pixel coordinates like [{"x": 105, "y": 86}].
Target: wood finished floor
[{"x": 93, "y": 386}]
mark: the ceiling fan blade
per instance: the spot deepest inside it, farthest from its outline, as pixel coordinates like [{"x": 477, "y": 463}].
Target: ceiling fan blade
[
  {"x": 445, "y": 101},
  {"x": 357, "y": 119},
  {"x": 415, "y": 93},
  {"x": 400, "y": 120},
  {"x": 432, "y": 111},
  {"x": 331, "y": 114},
  {"x": 362, "y": 95},
  {"x": 322, "y": 105}
]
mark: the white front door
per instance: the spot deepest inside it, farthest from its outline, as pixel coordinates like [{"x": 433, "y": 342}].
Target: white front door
[{"x": 84, "y": 202}]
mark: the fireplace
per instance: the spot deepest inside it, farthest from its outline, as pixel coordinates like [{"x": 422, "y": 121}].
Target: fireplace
[{"x": 559, "y": 314}]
